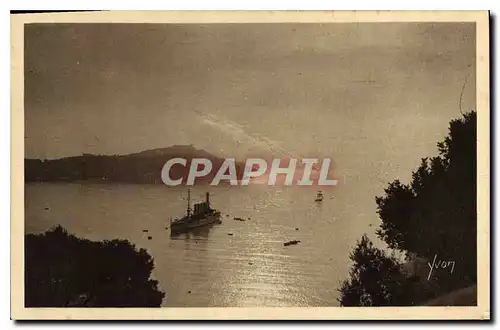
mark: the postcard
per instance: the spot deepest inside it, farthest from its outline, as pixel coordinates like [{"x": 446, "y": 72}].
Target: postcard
[{"x": 250, "y": 165}]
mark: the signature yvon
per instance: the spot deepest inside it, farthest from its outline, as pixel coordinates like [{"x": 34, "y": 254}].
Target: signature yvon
[{"x": 440, "y": 264}]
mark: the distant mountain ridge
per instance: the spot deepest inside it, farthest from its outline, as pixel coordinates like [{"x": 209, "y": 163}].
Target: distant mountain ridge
[
  {"x": 140, "y": 167},
  {"x": 174, "y": 151}
]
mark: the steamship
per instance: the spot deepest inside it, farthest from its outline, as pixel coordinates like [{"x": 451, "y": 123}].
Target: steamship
[{"x": 201, "y": 215}]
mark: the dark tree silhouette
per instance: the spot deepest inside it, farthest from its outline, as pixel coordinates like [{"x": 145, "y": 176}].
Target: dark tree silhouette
[
  {"x": 377, "y": 279},
  {"x": 433, "y": 215},
  {"x": 436, "y": 213},
  {"x": 62, "y": 270}
]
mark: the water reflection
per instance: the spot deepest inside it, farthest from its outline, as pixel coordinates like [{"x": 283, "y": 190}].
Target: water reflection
[
  {"x": 195, "y": 233},
  {"x": 208, "y": 267}
]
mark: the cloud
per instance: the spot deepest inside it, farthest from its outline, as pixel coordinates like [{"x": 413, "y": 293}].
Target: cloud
[{"x": 238, "y": 133}]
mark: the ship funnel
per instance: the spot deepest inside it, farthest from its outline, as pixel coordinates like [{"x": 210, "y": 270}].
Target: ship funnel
[{"x": 189, "y": 203}]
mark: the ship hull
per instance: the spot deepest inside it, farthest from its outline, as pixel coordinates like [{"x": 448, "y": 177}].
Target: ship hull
[{"x": 186, "y": 224}]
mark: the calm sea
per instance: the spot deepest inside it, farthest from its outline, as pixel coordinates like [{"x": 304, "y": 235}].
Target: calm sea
[{"x": 211, "y": 268}]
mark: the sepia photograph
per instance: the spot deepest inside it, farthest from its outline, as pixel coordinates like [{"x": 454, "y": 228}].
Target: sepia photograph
[{"x": 170, "y": 164}]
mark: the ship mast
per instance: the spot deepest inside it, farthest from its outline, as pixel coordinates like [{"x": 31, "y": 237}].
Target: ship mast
[{"x": 189, "y": 203}]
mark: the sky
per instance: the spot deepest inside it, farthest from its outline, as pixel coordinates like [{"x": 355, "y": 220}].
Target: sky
[{"x": 375, "y": 97}]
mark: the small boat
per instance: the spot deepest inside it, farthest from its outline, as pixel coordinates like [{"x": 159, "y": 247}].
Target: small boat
[
  {"x": 202, "y": 215},
  {"x": 239, "y": 219},
  {"x": 319, "y": 196},
  {"x": 291, "y": 243}
]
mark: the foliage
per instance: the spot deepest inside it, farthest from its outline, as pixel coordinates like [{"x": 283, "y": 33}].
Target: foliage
[
  {"x": 377, "y": 279},
  {"x": 436, "y": 213},
  {"x": 433, "y": 216},
  {"x": 62, "y": 270}
]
